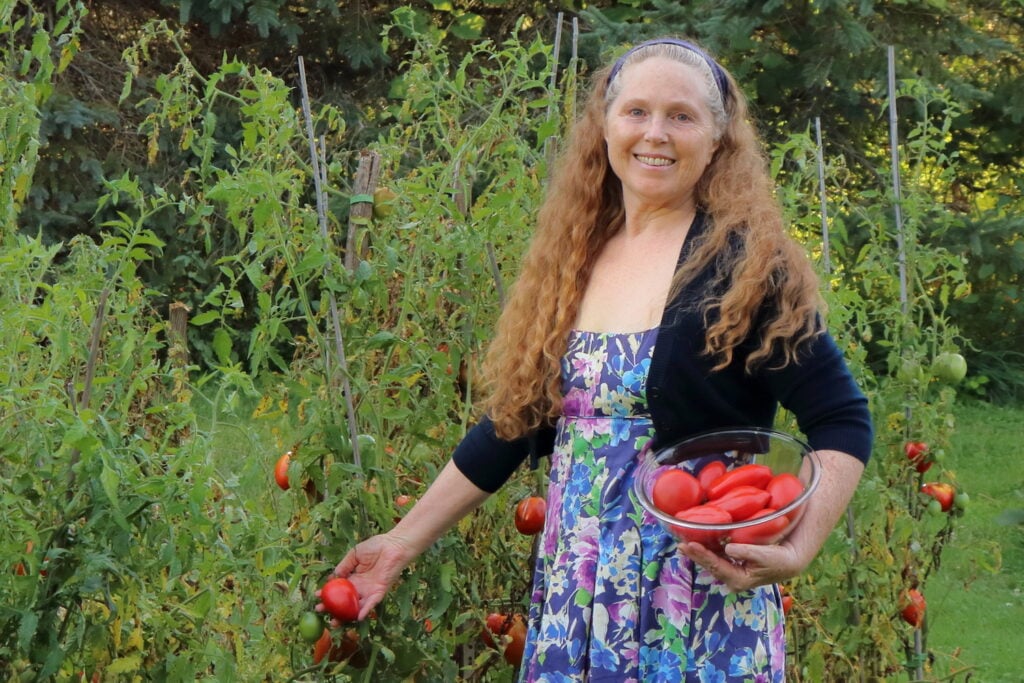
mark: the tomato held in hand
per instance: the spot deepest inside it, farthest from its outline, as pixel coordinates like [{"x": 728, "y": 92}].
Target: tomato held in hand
[
  {"x": 702, "y": 514},
  {"x": 742, "y": 502},
  {"x": 340, "y": 599},
  {"x": 530, "y": 515},
  {"x": 713, "y": 470},
  {"x": 784, "y": 488},
  {"x": 745, "y": 475},
  {"x": 676, "y": 490},
  {"x": 281, "y": 470},
  {"x": 765, "y": 533},
  {"x": 913, "y": 607}
]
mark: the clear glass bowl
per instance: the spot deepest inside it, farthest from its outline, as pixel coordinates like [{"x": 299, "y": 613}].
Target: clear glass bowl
[{"x": 778, "y": 450}]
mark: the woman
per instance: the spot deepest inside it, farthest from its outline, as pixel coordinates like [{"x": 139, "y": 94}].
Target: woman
[{"x": 660, "y": 298}]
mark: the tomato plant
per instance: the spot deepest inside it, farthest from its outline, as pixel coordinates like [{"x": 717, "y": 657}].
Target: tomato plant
[
  {"x": 340, "y": 599},
  {"x": 675, "y": 490},
  {"x": 529, "y": 517}
]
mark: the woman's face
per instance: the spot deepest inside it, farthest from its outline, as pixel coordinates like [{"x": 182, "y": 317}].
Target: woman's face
[{"x": 660, "y": 133}]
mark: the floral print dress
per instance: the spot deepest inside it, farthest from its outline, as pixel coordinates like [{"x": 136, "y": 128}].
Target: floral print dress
[{"x": 613, "y": 599}]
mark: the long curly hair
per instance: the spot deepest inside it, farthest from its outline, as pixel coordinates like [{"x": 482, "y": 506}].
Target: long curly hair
[{"x": 760, "y": 268}]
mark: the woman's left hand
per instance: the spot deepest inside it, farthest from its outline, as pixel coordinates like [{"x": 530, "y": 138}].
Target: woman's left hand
[
  {"x": 745, "y": 566},
  {"x": 742, "y": 566}
]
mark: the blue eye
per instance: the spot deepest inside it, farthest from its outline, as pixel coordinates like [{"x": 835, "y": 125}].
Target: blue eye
[{"x": 682, "y": 117}]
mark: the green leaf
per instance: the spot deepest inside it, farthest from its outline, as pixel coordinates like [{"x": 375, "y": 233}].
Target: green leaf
[
  {"x": 204, "y": 318},
  {"x": 110, "y": 480},
  {"x": 468, "y": 26},
  {"x": 222, "y": 345},
  {"x": 27, "y": 629}
]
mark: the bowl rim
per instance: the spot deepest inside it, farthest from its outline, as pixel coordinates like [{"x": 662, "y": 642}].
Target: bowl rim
[{"x": 649, "y": 461}]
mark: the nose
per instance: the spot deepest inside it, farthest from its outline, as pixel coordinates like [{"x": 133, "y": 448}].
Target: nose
[{"x": 656, "y": 131}]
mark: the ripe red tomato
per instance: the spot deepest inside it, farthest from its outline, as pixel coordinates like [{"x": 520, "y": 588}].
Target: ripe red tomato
[
  {"x": 322, "y": 647},
  {"x": 530, "y": 515},
  {"x": 676, "y": 490},
  {"x": 494, "y": 625},
  {"x": 340, "y": 599},
  {"x": 517, "y": 642},
  {"x": 702, "y": 514},
  {"x": 764, "y": 533},
  {"x": 944, "y": 493},
  {"x": 784, "y": 488},
  {"x": 751, "y": 474},
  {"x": 511, "y": 632},
  {"x": 402, "y": 500},
  {"x": 713, "y": 470},
  {"x": 787, "y": 603},
  {"x": 742, "y": 502},
  {"x": 918, "y": 452},
  {"x": 281, "y": 470},
  {"x": 913, "y": 607}
]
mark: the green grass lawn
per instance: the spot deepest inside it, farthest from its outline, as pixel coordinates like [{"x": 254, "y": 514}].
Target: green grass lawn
[{"x": 976, "y": 601}]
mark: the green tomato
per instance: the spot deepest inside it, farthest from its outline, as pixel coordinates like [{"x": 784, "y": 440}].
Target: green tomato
[
  {"x": 367, "y": 444},
  {"x": 311, "y": 627},
  {"x": 950, "y": 368},
  {"x": 935, "y": 507},
  {"x": 960, "y": 500}
]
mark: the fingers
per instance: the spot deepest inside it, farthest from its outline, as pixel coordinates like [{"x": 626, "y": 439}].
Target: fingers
[
  {"x": 347, "y": 565},
  {"x": 743, "y": 566}
]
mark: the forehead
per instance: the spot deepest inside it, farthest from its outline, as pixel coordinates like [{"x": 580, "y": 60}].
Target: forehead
[{"x": 663, "y": 78}]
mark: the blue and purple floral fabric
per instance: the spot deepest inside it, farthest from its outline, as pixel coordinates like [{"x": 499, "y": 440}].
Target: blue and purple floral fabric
[{"x": 613, "y": 599}]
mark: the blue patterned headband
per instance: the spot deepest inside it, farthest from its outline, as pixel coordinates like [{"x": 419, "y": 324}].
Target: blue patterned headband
[{"x": 716, "y": 69}]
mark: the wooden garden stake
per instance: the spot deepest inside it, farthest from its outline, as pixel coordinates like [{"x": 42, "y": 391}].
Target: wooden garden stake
[
  {"x": 361, "y": 208},
  {"x": 177, "y": 334}
]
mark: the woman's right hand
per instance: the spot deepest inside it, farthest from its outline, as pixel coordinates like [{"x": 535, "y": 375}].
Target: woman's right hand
[{"x": 373, "y": 566}]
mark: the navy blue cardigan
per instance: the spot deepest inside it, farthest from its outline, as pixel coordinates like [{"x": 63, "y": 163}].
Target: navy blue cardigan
[{"x": 686, "y": 397}]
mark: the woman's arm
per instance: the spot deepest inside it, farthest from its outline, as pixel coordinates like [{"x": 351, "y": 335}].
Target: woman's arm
[
  {"x": 375, "y": 564},
  {"x": 746, "y": 566}
]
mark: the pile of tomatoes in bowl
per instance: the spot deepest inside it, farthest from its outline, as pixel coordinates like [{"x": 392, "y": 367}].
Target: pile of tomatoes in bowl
[{"x": 729, "y": 486}]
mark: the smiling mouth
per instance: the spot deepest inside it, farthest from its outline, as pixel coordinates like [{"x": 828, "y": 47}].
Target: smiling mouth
[{"x": 654, "y": 161}]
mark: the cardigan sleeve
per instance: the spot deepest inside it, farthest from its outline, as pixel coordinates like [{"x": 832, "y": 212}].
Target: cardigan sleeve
[
  {"x": 820, "y": 391},
  {"x": 488, "y": 460}
]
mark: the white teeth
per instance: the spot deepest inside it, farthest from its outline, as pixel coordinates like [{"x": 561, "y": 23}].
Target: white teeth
[{"x": 654, "y": 161}]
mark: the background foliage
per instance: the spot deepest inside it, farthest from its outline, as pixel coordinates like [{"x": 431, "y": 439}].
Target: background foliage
[{"x": 168, "y": 555}]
